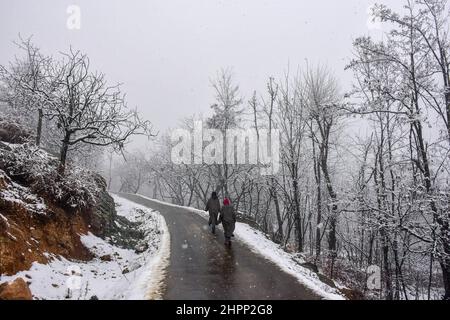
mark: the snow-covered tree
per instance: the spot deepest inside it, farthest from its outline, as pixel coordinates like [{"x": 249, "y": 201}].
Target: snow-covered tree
[{"x": 87, "y": 110}]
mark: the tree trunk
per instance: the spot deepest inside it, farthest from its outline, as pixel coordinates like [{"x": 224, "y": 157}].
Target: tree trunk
[
  {"x": 280, "y": 233},
  {"x": 298, "y": 219},
  {"x": 445, "y": 266},
  {"x": 138, "y": 183},
  {"x": 39, "y": 127},
  {"x": 63, "y": 154},
  {"x": 155, "y": 189},
  {"x": 386, "y": 264},
  {"x": 370, "y": 255},
  {"x": 332, "y": 243},
  {"x": 318, "y": 178},
  {"x": 447, "y": 102},
  {"x": 110, "y": 173}
]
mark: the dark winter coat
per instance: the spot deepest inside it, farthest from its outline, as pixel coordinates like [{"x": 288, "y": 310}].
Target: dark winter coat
[
  {"x": 213, "y": 206},
  {"x": 228, "y": 219}
]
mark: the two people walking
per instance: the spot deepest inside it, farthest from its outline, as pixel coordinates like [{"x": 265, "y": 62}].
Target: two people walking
[{"x": 225, "y": 215}]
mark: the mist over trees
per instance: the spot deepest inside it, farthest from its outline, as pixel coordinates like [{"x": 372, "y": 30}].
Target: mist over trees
[{"x": 345, "y": 198}]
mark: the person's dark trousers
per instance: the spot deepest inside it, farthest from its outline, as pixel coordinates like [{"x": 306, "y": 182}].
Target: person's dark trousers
[{"x": 213, "y": 222}]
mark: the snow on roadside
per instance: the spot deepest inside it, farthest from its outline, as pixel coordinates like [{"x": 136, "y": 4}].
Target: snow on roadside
[
  {"x": 149, "y": 285},
  {"x": 261, "y": 245},
  {"x": 121, "y": 274}
]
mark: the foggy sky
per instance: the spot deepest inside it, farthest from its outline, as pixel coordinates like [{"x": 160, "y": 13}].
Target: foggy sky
[{"x": 166, "y": 51}]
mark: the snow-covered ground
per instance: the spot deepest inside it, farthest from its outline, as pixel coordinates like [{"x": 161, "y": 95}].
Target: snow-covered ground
[
  {"x": 14, "y": 192},
  {"x": 260, "y": 244},
  {"x": 122, "y": 274},
  {"x": 287, "y": 262}
]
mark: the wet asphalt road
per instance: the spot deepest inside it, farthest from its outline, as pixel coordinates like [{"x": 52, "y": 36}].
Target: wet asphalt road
[{"x": 201, "y": 267}]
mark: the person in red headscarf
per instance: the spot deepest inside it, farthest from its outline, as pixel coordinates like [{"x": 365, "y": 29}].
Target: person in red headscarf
[{"x": 228, "y": 219}]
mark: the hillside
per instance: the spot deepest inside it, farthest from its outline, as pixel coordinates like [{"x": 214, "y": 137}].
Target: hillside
[{"x": 50, "y": 224}]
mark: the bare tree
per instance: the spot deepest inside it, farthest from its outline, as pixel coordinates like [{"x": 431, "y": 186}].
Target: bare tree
[
  {"x": 22, "y": 82},
  {"x": 87, "y": 110},
  {"x": 397, "y": 82},
  {"x": 226, "y": 116},
  {"x": 292, "y": 116},
  {"x": 427, "y": 25},
  {"x": 321, "y": 95}
]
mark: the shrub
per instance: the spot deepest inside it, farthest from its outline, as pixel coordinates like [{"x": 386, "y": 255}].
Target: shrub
[
  {"x": 36, "y": 169},
  {"x": 11, "y": 132}
]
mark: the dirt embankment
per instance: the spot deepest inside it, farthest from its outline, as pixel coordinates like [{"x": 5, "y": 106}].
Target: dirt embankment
[
  {"x": 27, "y": 236},
  {"x": 43, "y": 214}
]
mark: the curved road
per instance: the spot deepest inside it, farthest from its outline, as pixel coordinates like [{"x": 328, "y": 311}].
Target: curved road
[{"x": 202, "y": 268}]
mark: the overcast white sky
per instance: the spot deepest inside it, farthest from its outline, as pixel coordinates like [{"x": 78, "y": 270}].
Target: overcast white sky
[{"x": 166, "y": 51}]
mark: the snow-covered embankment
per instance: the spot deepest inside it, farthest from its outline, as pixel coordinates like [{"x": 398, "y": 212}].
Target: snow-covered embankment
[{"x": 114, "y": 273}]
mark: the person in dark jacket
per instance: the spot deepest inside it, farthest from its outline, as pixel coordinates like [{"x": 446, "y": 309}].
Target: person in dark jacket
[
  {"x": 228, "y": 220},
  {"x": 213, "y": 207}
]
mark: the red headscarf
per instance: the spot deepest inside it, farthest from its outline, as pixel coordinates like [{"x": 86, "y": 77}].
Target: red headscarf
[{"x": 226, "y": 202}]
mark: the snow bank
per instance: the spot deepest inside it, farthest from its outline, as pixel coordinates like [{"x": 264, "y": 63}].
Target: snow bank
[
  {"x": 260, "y": 244},
  {"x": 151, "y": 280},
  {"x": 114, "y": 273}
]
